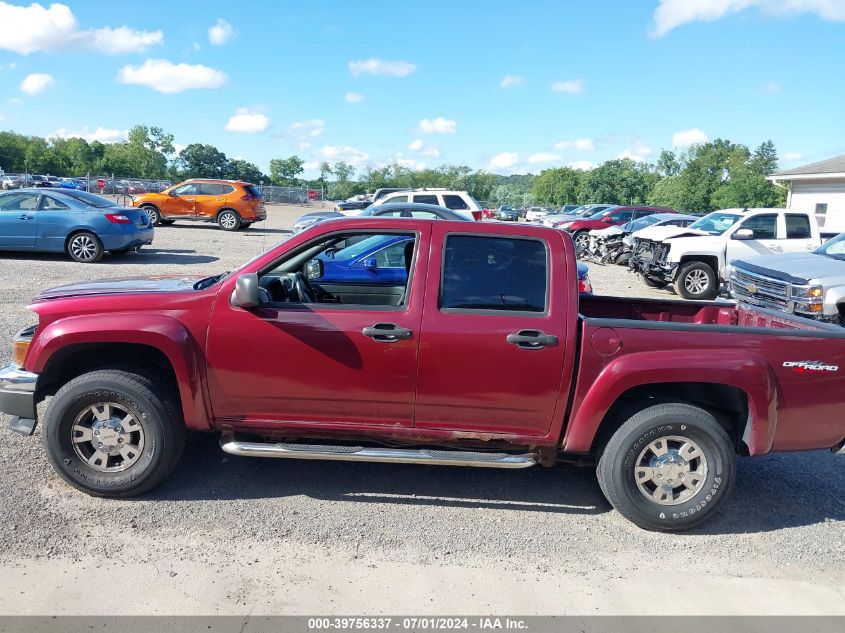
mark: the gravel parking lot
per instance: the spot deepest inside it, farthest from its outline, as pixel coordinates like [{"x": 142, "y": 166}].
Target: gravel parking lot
[{"x": 228, "y": 535}]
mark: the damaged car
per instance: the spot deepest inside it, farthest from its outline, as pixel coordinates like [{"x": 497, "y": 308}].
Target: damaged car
[{"x": 613, "y": 245}]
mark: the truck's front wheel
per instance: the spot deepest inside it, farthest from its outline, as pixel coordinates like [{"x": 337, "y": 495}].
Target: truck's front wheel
[
  {"x": 697, "y": 280},
  {"x": 668, "y": 468},
  {"x": 109, "y": 433}
]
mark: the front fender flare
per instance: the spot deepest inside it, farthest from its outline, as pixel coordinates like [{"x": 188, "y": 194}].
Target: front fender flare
[
  {"x": 745, "y": 371},
  {"x": 163, "y": 333}
]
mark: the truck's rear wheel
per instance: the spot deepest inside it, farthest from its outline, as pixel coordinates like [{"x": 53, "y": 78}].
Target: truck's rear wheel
[
  {"x": 110, "y": 434},
  {"x": 668, "y": 468},
  {"x": 696, "y": 280}
]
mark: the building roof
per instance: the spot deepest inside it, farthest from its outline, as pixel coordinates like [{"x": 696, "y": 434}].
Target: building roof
[{"x": 835, "y": 165}]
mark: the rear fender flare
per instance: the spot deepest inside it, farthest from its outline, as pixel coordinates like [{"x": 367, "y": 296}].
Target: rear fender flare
[{"x": 745, "y": 371}]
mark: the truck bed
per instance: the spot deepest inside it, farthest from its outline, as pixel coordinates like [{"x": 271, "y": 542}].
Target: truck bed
[{"x": 722, "y": 314}]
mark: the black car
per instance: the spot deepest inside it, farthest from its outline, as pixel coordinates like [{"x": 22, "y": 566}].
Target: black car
[
  {"x": 353, "y": 205},
  {"x": 506, "y": 214}
]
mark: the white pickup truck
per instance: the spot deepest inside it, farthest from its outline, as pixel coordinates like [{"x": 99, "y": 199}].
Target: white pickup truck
[{"x": 697, "y": 259}]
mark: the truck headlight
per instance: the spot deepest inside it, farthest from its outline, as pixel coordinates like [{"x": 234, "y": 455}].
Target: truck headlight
[{"x": 808, "y": 292}]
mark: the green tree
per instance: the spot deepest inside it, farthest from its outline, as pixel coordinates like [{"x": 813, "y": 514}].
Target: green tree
[
  {"x": 619, "y": 181},
  {"x": 199, "y": 160},
  {"x": 239, "y": 169},
  {"x": 668, "y": 164},
  {"x": 557, "y": 186},
  {"x": 764, "y": 161},
  {"x": 283, "y": 171}
]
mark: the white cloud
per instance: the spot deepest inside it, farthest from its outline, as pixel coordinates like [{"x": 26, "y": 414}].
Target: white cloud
[
  {"x": 122, "y": 40},
  {"x": 772, "y": 87},
  {"x": 36, "y": 82},
  {"x": 311, "y": 165},
  {"x": 353, "y": 97},
  {"x": 247, "y": 122},
  {"x": 572, "y": 86},
  {"x": 584, "y": 165},
  {"x": 177, "y": 148},
  {"x": 580, "y": 144},
  {"x": 101, "y": 134},
  {"x": 376, "y": 66},
  {"x": 221, "y": 32},
  {"x": 671, "y": 14},
  {"x": 418, "y": 146},
  {"x": 410, "y": 163},
  {"x": 542, "y": 157},
  {"x": 36, "y": 28},
  {"x": 685, "y": 138},
  {"x": 351, "y": 155},
  {"x": 511, "y": 81},
  {"x": 438, "y": 126},
  {"x": 503, "y": 160},
  {"x": 168, "y": 78},
  {"x": 792, "y": 156},
  {"x": 311, "y": 127},
  {"x": 640, "y": 153}
]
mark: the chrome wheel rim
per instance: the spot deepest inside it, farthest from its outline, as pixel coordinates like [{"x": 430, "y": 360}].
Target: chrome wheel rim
[
  {"x": 152, "y": 214},
  {"x": 582, "y": 242},
  {"x": 671, "y": 470},
  {"x": 696, "y": 282},
  {"x": 228, "y": 220},
  {"x": 83, "y": 247},
  {"x": 108, "y": 437}
]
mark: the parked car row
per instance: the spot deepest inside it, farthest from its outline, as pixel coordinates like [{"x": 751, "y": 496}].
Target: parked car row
[{"x": 84, "y": 183}]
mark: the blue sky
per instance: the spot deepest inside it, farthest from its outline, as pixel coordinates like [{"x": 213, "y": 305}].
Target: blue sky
[{"x": 511, "y": 87}]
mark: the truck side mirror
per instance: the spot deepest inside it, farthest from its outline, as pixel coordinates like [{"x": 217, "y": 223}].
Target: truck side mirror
[
  {"x": 370, "y": 263},
  {"x": 313, "y": 269},
  {"x": 246, "y": 293},
  {"x": 743, "y": 234}
]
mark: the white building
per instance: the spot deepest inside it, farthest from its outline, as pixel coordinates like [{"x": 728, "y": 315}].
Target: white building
[{"x": 820, "y": 188}]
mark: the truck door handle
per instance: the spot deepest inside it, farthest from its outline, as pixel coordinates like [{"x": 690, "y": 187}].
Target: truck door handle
[
  {"x": 532, "y": 339},
  {"x": 387, "y": 333}
]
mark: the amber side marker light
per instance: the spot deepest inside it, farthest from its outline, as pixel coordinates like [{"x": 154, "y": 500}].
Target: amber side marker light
[{"x": 20, "y": 345}]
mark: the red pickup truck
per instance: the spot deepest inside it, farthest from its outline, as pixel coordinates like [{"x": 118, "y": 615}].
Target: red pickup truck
[{"x": 663, "y": 396}]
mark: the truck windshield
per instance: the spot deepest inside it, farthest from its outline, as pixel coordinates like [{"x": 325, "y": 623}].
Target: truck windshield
[
  {"x": 716, "y": 223},
  {"x": 835, "y": 248}
]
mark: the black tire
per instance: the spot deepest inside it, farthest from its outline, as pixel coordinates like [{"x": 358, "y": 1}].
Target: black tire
[
  {"x": 697, "y": 280},
  {"x": 229, "y": 220},
  {"x": 582, "y": 248},
  {"x": 153, "y": 213},
  {"x": 84, "y": 247},
  {"x": 651, "y": 283},
  {"x": 618, "y": 464},
  {"x": 155, "y": 414}
]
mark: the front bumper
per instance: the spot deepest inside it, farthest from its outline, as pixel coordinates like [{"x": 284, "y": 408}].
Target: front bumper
[{"x": 17, "y": 392}]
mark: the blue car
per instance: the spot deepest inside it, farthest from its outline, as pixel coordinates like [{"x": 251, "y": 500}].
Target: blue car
[
  {"x": 380, "y": 260},
  {"x": 78, "y": 223},
  {"x": 74, "y": 183}
]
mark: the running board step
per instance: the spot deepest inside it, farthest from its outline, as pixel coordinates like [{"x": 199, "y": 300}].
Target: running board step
[{"x": 375, "y": 454}]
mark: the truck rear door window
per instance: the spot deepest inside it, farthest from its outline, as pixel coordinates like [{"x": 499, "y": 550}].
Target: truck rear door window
[
  {"x": 494, "y": 273},
  {"x": 797, "y": 226}
]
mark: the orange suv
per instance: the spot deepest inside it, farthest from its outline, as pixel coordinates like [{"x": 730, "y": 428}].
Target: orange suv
[{"x": 232, "y": 204}]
